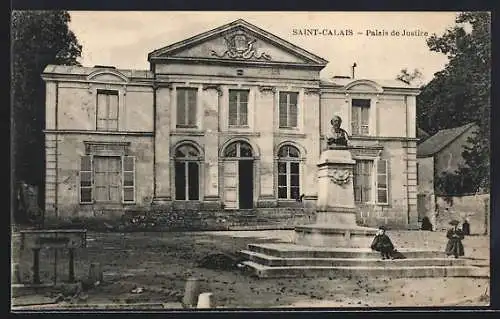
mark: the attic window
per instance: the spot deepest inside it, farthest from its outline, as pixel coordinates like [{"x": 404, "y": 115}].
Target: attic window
[{"x": 239, "y": 72}]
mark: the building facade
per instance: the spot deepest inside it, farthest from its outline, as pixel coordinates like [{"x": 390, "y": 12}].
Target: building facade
[{"x": 232, "y": 119}]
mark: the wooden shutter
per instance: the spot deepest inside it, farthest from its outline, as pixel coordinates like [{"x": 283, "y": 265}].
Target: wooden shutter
[
  {"x": 243, "y": 108},
  {"x": 128, "y": 179},
  {"x": 355, "y": 120},
  {"x": 293, "y": 109},
  {"x": 283, "y": 112},
  {"x": 86, "y": 181},
  {"x": 191, "y": 106},
  {"x": 181, "y": 107},
  {"x": 382, "y": 182},
  {"x": 233, "y": 107}
]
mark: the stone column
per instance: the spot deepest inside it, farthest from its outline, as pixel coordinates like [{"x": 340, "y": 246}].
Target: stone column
[
  {"x": 311, "y": 110},
  {"x": 210, "y": 105},
  {"x": 264, "y": 123},
  {"x": 162, "y": 143}
]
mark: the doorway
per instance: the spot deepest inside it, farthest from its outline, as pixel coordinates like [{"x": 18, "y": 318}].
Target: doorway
[
  {"x": 245, "y": 179},
  {"x": 238, "y": 175}
]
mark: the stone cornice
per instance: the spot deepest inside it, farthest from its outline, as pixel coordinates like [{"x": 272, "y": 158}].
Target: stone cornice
[
  {"x": 266, "y": 88},
  {"x": 309, "y": 91},
  {"x": 157, "y": 85},
  {"x": 213, "y": 87}
]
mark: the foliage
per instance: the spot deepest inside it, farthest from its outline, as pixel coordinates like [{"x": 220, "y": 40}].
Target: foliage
[
  {"x": 453, "y": 183},
  {"x": 415, "y": 77},
  {"x": 38, "y": 38},
  {"x": 460, "y": 93}
]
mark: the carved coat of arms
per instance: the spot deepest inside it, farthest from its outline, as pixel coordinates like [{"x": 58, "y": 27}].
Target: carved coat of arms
[
  {"x": 240, "y": 46},
  {"x": 340, "y": 177}
]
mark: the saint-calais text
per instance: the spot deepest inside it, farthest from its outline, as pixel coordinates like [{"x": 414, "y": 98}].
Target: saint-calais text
[{"x": 323, "y": 32}]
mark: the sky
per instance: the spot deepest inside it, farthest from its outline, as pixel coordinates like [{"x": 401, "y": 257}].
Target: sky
[{"x": 124, "y": 39}]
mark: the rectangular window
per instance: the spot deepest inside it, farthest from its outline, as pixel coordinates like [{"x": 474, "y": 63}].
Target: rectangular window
[
  {"x": 382, "y": 182},
  {"x": 363, "y": 181},
  {"x": 86, "y": 179},
  {"x": 288, "y": 109},
  {"x": 360, "y": 117},
  {"x": 107, "y": 179},
  {"x": 288, "y": 180},
  {"x": 128, "y": 178},
  {"x": 238, "y": 107},
  {"x": 187, "y": 180},
  {"x": 107, "y": 110},
  {"x": 186, "y": 107}
]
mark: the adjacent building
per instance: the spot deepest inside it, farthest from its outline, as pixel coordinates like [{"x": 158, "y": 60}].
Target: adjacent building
[
  {"x": 231, "y": 119},
  {"x": 439, "y": 153}
]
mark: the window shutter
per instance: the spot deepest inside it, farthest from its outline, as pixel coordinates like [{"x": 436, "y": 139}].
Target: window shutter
[
  {"x": 283, "y": 116},
  {"x": 382, "y": 182},
  {"x": 86, "y": 181},
  {"x": 233, "y": 107},
  {"x": 355, "y": 120},
  {"x": 128, "y": 179},
  {"x": 181, "y": 107},
  {"x": 191, "y": 107}
]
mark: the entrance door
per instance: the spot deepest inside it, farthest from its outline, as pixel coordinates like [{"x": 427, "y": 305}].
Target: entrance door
[
  {"x": 231, "y": 184},
  {"x": 245, "y": 180}
]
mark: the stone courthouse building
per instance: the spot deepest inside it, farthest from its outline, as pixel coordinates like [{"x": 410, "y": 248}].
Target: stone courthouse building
[{"x": 230, "y": 120}]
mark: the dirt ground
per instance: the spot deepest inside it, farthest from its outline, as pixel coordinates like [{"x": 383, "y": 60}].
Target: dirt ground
[{"x": 161, "y": 263}]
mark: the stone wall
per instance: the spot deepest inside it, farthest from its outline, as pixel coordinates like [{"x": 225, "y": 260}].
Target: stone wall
[{"x": 474, "y": 207}]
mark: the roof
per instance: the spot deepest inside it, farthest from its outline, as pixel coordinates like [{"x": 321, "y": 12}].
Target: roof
[
  {"x": 85, "y": 71},
  {"x": 440, "y": 140},
  {"x": 382, "y": 82},
  {"x": 238, "y": 24},
  {"x": 421, "y": 134}
]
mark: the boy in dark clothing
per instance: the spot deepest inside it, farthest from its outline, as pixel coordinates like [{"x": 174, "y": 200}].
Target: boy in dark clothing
[{"x": 383, "y": 244}]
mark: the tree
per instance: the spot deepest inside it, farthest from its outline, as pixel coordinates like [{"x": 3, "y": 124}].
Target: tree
[
  {"x": 38, "y": 38},
  {"x": 460, "y": 93},
  {"x": 414, "y": 78}
]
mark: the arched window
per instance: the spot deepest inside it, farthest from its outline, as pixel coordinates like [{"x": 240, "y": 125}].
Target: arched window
[
  {"x": 187, "y": 173},
  {"x": 288, "y": 172},
  {"x": 238, "y": 149}
]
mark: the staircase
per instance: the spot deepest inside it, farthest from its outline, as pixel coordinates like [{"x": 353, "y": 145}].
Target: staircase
[{"x": 286, "y": 260}]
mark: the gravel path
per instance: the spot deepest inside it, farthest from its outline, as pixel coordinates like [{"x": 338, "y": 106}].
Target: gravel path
[{"x": 161, "y": 263}]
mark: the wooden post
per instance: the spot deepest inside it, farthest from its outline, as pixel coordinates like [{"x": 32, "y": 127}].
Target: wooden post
[
  {"x": 486, "y": 215},
  {"x": 95, "y": 273},
  {"x": 36, "y": 266},
  {"x": 71, "y": 265},
  {"x": 55, "y": 266},
  {"x": 191, "y": 292}
]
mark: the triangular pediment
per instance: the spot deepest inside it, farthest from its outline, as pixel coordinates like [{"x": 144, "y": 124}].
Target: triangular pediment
[{"x": 238, "y": 41}]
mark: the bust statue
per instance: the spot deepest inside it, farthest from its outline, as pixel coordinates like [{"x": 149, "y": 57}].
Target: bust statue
[{"x": 336, "y": 137}]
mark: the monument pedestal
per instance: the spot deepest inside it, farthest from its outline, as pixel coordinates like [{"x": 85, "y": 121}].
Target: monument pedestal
[{"x": 336, "y": 213}]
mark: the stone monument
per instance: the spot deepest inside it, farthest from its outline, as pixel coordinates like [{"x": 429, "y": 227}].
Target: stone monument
[{"x": 336, "y": 212}]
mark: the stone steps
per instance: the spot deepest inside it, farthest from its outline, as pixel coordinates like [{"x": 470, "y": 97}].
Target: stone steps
[
  {"x": 263, "y": 271},
  {"x": 285, "y": 260},
  {"x": 272, "y": 261},
  {"x": 298, "y": 251}
]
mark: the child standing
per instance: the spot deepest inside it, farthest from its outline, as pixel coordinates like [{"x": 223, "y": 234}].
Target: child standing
[
  {"x": 455, "y": 235},
  {"x": 383, "y": 244}
]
